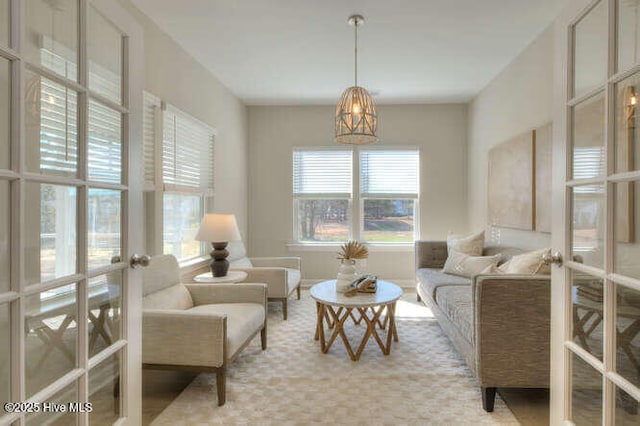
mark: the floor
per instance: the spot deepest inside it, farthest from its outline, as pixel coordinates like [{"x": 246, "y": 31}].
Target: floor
[{"x": 160, "y": 388}]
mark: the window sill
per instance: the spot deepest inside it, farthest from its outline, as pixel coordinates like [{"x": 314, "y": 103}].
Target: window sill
[{"x": 408, "y": 247}]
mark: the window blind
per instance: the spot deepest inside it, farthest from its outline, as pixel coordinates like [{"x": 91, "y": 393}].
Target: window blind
[
  {"x": 389, "y": 172},
  {"x": 588, "y": 163},
  {"x": 150, "y": 110},
  {"x": 322, "y": 172},
  {"x": 187, "y": 153},
  {"x": 58, "y": 127},
  {"x": 105, "y": 143}
]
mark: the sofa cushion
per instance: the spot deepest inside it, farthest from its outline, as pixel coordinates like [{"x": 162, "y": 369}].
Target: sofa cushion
[
  {"x": 243, "y": 319},
  {"x": 455, "y": 302},
  {"x": 527, "y": 263},
  {"x": 293, "y": 279},
  {"x": 468, "y": 266},
  {"x": 431, "y": 279},
  {"x": 506, "y": 251},
  {"x": 467, "y": 244},
  {"x": 174, "y": 297},
  {"x": 163, "y": 272}
]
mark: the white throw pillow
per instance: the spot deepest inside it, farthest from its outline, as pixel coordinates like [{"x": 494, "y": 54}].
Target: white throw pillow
[
  {"x": 468, "y": 266},
  {"x": 467, "y": 244},
  {"x": 527, "y": 263}
]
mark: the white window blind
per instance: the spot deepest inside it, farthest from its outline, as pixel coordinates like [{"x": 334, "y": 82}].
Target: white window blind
[
  {"x": 187, "y": 153},
  {"x": 58, "y": 127},
  {"x": 322, "y": 172},
  {"x": 151, "y": 109},
  {"x": 389, "y": 172},
  {"x": 588, "y": 163}
]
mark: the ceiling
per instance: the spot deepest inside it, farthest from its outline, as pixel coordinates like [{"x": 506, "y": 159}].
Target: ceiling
[{"x": 301, "y": 51}]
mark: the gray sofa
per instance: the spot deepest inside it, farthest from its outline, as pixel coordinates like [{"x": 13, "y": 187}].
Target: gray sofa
[{"x": 500, "y": 324}]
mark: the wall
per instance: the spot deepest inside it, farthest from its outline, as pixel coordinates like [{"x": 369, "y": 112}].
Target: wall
[
  {"x": 439, "y": 130},
  {"x": 518, "y": 99},
  {"x": 177, "y": 78}
]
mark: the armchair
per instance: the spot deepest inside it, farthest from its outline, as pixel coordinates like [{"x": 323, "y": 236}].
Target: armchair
[
  {"x": 281, "y": 274},
  {"x": 198, "y": 327}
]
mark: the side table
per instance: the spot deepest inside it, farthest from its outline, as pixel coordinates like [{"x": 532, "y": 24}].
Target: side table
[{"x": 231, "y": 277}]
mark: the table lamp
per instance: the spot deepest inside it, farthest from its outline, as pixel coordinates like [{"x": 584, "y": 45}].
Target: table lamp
[{"x": 219, "y": 229}]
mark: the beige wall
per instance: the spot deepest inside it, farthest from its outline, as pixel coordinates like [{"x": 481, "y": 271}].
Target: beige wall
[
  {"x": 177, "y": 78},
  {"x": 440, "y": 131},
  {"x": 518, "y": 99}
]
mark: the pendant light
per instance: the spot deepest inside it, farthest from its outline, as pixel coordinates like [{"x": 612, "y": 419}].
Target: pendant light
[{"x": 356, "y": 115}]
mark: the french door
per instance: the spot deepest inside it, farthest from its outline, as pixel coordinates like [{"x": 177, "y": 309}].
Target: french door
[
  {"x": 70, "y": 212},
  {"x": 596, "y": 293}
]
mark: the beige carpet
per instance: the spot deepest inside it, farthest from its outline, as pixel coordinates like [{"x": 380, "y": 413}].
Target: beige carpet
[{"x": 422, "y": 381}]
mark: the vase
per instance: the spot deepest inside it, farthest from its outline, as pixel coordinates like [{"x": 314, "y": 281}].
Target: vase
[{"x": 346, "y": 275}]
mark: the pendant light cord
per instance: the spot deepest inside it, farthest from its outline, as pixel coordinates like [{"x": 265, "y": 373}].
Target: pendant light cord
[{"x": 356, "y": 53}]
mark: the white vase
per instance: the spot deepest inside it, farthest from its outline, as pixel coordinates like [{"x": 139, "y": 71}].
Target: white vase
[{"x": 346, "y": 275}]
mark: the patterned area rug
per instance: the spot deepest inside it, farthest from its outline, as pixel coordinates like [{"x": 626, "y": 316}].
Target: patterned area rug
[{"x": 422, "y": 381}]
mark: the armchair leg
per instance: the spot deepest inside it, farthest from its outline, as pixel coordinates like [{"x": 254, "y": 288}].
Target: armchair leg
[
  {"x": 221, "y": 385},
  {"x": 488, "y": 398},
  {"x": 263, "y": 338},
  {"x": 284, "y": 308},
  {"x": 298, "y": 291}
]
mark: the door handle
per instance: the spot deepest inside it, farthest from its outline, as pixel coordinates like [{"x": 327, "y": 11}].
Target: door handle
[
  {"x": 139, "y": 260},
  {"x": 555, "y": 258}
]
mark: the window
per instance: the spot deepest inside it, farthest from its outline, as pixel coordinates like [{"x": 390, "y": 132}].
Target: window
[
  {"x": 325, "y": 189},
  {"x": 179, "y": 172},
  {"x": 322, "y": 200}
]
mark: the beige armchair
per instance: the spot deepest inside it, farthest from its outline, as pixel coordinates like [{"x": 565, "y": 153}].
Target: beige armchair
[
  {"x": 281, "y": 274},
  {"x": 198, "y": 327}
]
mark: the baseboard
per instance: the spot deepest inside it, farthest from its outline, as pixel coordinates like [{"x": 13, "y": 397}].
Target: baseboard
[{"x": 403, "y": 283}]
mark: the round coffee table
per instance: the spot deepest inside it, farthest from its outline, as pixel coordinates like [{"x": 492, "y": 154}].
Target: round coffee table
[{"x": 377, "y": 310}]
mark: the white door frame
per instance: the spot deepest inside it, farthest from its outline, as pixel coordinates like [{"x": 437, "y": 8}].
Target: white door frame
[
  {"x": 562, "y": 346},
  {"x": 133, "y": 240},
  {"x": 129, "y": 345}
]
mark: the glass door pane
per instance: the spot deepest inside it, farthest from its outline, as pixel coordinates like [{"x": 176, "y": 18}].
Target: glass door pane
[
  {"x": 590, "y": 50},
  {"x": 5, "y": 113},
  {"x": 5, "y": 22},
  {"x": 628, "y": 34},
  {"x": 105, "y": 57},
  {"x": 51, "y": 133},
  {"x": 52, "y": 42},
  {"x": 587, "y": 227},
  {"x": 586, "y": 393}
]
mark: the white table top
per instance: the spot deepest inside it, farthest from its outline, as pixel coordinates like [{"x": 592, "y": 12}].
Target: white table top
[
  {"x": 325, "y": 293},
  {"x": 231, "y": 277}
]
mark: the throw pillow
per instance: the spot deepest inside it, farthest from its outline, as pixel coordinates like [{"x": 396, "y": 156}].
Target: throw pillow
[
  {"x": 468, "y": 266},
  {"x": 467, "y": 244},
  {"x": 527, "y": 263}
]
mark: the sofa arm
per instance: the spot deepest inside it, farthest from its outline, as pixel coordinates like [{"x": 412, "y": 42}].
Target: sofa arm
[
  {"x": 430, "y": 254},
  {"x": 512, "y": 316},
  {"x": 177, "y": 337},
  {"x": 281, "y": 262},
  {"x": 275, "y": 278},
  {"x": 205, "y": 294}
]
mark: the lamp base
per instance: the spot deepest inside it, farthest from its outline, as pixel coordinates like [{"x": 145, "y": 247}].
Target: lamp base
[{"x": 219, "y": 263}]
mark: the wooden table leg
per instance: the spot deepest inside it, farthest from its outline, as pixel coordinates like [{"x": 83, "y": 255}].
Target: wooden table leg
[
  {"x": 392, "y": 321},
  {"x": 318, "y": 321}
]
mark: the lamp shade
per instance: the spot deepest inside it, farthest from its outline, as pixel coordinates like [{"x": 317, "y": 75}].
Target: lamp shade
[
  {"x": 356, "y": 118},
  {"x": 217, "y": 227}
]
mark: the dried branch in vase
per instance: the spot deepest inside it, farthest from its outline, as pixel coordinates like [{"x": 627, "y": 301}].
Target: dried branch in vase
[{"x": 353, "y": 250}]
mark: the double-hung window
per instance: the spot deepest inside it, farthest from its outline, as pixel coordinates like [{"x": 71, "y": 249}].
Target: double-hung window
[
  {"x": 179, "y": 168},
  {"x": 322, "y": 190},
  {"x": 389, "y": 195},
  {"x": 368, "y": 194}
]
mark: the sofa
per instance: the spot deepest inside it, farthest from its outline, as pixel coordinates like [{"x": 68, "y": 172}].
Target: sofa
[
  {"x": 198, "y": 327},
  {"x": 500, "y": 324}
]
